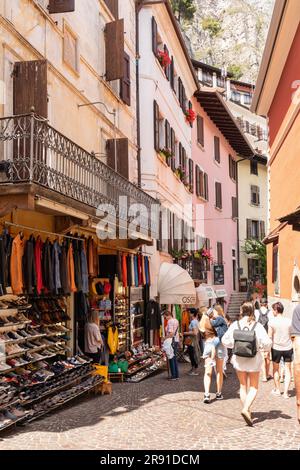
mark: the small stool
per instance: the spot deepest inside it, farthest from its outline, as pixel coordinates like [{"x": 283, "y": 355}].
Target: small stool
[
  {"x": 105, "y": 388},
  {"x": 117, "y": 376}
]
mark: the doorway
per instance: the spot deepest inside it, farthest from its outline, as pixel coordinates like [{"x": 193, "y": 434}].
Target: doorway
[{"x": 234, "y": 274}]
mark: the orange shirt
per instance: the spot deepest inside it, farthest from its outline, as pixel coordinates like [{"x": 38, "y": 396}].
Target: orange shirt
[{"x": 16, "y": 268}]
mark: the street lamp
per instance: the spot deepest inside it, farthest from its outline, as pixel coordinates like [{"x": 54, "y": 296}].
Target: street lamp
[{"x": 114, "y": 114}]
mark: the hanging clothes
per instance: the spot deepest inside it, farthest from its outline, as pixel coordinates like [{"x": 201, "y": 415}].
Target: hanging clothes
[
  {"x": 84, "y": 269},
  {"x": 136, "y": 271},
  {"x": 140, "y": 272},
  {"x": 47, "y": 266},
  {"x": 56, "y": 252},
  {"x": 129, "y": 276},
  {"x": 38, "y": 250},
  {"x": 153, "y": 315},
  {"x": 64, "y": 271},
  {"x": 3, "y": 264},
  {"x": 113, "y": 339},
  {"x": 71, "y": 269},
  {"x": 143, "y": 271},
  {"x": 124, "y": 271},
  {"x": 16, "y": 268},
  {"x": 149, "y": 271},
  {"x": 29, "y": 272},
  {"x": 92, "y": 258},
  {"x": 77, "y": 265},
  {"x": 132, "y": 271},
  {"x": 119, "y": 267}
]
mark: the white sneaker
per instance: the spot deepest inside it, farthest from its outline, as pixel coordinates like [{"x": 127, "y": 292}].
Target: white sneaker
[{"x": 276, "y": 393}]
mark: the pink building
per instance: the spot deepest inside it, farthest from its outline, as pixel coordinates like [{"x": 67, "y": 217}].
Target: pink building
[{"x": 217, "y": 144}]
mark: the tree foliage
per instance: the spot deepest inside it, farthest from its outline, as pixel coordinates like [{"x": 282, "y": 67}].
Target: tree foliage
[
  {"x": 257, "y": 250},
  {"x": 236, "y": 71},
  {"x": 184, "y": 10},
  {"x": 212, "y": 26}
]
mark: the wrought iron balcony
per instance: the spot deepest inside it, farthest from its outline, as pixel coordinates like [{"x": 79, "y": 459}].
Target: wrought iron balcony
[
  {"x": 31, "y": 151},
  {"x": 196, "y": 267}
]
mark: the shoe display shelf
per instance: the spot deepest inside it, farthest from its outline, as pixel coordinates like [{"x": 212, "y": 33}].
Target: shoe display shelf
[
  {"x": 73, "y": 393},
  {"x": 63, "y": 352},
  {"x": 8, "y": 405},
  {"x": 156, "y": 368},
  {"x": 154, "y": 364}
]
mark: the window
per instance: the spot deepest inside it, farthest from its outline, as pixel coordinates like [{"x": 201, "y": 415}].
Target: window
[
  {"x": 154, "y": 37},
  {"x": 207, "y": 78},
  {"x": 70, "y": 49},
  {"x": 232, "y": 168},
  {"x": 200, "y": 130},
  {"x": 256, "y": 229},
  {"x": 254, "y": 270},
  {"x": 275, "y": 270},
  {"x": 218, "y": 187},
  {"x": 219, "y": 252},
  {"x": 206, "y": 194},
  {"x": 220, "y": 82},
  {"x": 247, "y": 99},
  {"x": 167, "y": 135},
  {"x": 201, "y": 184},
  {"x": 217, "y": 149},
  {"x": 156, "y": 126},
  {"x": 182, "y": 95},
  {"x": 234, "y": 207},
  {"x": 255, "y": 199},
  {"x": 236, "y": 96},
  {"x": 253, "y": 167},
  {"x": 173, "y": 149},
  {"x": 191, "y": 175}
]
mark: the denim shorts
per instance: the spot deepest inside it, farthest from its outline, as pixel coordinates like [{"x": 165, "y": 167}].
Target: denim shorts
[{"x": 220, "y": 350}]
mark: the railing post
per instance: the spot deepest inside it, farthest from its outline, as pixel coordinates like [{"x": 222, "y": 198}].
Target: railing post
[{"x": 31, "y": 145}]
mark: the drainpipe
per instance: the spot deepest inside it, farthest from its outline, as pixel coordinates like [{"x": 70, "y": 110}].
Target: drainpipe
[{"x": 238, "y": 220}]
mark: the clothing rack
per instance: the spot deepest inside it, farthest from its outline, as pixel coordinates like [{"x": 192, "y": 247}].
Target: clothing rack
[{"x": 35, "y": 230}]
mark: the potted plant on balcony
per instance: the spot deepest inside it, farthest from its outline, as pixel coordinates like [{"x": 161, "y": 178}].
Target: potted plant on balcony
[
  {"x": 204, "y": 254},
  {"x": 181, "y": 174},
  {"x": 164, "y": 58},
  {"x": 166, "y": 154},
  {"x": 190, "y": 116}
]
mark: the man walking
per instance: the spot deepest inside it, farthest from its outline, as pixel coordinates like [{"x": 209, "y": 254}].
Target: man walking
[{"x": 280, "y": 334}]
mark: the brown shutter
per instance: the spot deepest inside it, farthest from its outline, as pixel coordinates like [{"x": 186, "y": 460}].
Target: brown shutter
[
  {"x": 184, "y": 100},
  {"x": 61, "y": 6},
  {"x": 191, "y": 174},
  {"x": 262, "y": 229},
  {"x": 206, "y": 194},
  {"x": 180, "y": 155},
  {"x": 156, "y": 125},
  {"x": 122, "y": 147},
  {"x": 184, "y": 159},
  {"x": 219, "y": 195},
  {"x": 167, "y": 135},
  {"x": 275, "y": 263},
  {"x": 113, "y": 6},
  {"x": 180, "y": 92},
  {"x": 173, "y": 149},
  {"x": 172, "y": 73},
  {"x": 249, "y": 228},
  {"x": 200, "y": 130},
  {"x": 125, "y": 88},
  {"x": 217, "y": 149},
  {"x": 201, "y": 184},
  {"x": 154, "y": 36},
  {"x": 197, "y": 180},
  {"x": 220, "y": 253},
  {"x": 168, "y": 68},
  {"x": 159, "y": 240},
  {"x": 234, "y": 208},
  {"x": 230, "y": 166},
  {"x": 114, "y": 50},
  {"x": 30, "y": 88}
]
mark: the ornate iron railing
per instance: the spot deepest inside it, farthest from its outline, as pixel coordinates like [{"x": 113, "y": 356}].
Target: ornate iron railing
[
  {"x": 196, "y": 267},
  {"x": 33, "y": 151}
]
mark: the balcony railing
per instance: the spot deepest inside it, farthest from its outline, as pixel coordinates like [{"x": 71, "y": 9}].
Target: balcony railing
[
  {"x": 34, "y": 152},
  {"x": 196, "y": 267}
]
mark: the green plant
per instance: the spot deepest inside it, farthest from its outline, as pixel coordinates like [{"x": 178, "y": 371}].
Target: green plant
[
  {"x": 236, "y": 71},
  {"x": 257, "y": 249},
  {"x": 212, "y": 26},
  {"x": 184, "y": 10}
]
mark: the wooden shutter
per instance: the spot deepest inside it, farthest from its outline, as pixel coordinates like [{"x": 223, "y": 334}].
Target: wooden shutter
[
  {"x": 173, "y": 149},
  {"x": 184, "y": 99},
  {"x": 125, "y": 85},
  {"x": 159, "y": 240},
  {"x": 230, "y": 166},
  {"x": 234, "y": 207},
  {"x": 168, "y": 68},
  {"x": 122, "y": 148},
  {"x": 217, "y": 149},
  {"x": 220, "y": 253},
  {"x": 197, "y": 181},
  {"x": 200, "y": 130},
  {"x": 114, "y": 50},
  {"x": 262, "y": 229},
  {"x": 249, "y": 228},
  {"x": 180, "y": 155},
  {"x": 180, "y": 91},
  {"x": 113, "y": 6},
  {"x": 30, "y": 88},
  {"x": 172, "y": 74},
  {"x": 275, "y": 264},
  {"x": 184, "y": 159},
  {"x": 167, "y": 135},
  {"x": 154, "y": 36},
  {"x": 219, "y": 195},
  {"x": 61, "y": 6},
  {"x": 201, "y": 184},
  {"x": 191, "y": 174},
  {"x": 206, "y": 193},
  {"x": 156, "y": 125}
]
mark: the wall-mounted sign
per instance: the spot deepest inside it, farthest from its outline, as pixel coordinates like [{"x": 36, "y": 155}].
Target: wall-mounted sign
[{"x": 219, "y": 275}]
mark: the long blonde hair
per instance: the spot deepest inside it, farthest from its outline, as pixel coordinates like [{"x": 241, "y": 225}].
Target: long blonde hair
[{"x": 220, "y": 310}]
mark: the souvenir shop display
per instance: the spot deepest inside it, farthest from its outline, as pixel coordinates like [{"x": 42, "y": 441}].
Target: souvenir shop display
[
  {"x": 153, "y": 321},
  {"x": 143, "y": 363},
  {"x": 122, "y": 321},
  {"x": 137, "y": 316}
]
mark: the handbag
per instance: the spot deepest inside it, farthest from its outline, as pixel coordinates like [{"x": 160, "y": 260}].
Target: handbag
[{"x": 245, "y": 343}]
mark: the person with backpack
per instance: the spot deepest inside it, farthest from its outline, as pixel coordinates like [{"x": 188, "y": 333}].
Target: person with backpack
[
  {"x": 263, "y": 315},
  {"x": 247, "y": 338}
]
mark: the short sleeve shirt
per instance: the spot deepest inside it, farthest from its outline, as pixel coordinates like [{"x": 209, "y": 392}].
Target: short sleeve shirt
[
  {"x": 194, "y": 324},
  {"x": 172, "y": 327}
]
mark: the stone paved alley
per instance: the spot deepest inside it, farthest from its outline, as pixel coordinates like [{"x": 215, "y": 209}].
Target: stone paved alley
[{"x": 157, "y": 414}]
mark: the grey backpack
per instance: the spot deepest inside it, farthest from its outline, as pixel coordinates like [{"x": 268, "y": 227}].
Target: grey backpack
[{"x": 245, "y": 344}]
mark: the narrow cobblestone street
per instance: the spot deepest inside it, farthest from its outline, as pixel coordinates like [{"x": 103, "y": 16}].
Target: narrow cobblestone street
[{"x": 157, "y": 414}]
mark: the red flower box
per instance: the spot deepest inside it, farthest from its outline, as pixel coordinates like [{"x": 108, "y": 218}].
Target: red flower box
[{"x": 190, "y": 116}]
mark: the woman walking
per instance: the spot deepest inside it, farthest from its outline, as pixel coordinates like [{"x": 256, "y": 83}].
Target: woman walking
[
  {"x": 210, "y": 336},
  {"x": 172, "y": 332},
  {"x": 248, "y": 368}
]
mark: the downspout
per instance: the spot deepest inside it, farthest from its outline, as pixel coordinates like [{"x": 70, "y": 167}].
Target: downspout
[{"x": 137, "y": 61}]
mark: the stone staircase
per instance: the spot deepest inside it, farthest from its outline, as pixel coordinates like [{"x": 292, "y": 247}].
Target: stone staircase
[{"x": 236, "y": 300}]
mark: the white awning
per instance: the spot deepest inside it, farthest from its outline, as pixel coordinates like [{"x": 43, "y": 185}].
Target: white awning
[
  {"x": 205, "y": 293},
  {"x": 221, "y": 293},
  {"x": 175, "y": 285}
]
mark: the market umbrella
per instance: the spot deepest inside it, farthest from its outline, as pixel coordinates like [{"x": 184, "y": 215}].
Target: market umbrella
[{"x": 175, "y": 285}]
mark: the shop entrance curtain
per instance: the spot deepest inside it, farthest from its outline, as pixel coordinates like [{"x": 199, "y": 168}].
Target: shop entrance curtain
[{"x": 175, "y": 285}]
